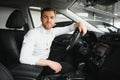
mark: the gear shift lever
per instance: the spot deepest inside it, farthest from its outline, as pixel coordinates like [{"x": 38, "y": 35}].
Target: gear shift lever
[
  {"x": 80, "y": 68},
  {"x": 78, "y": 75}
]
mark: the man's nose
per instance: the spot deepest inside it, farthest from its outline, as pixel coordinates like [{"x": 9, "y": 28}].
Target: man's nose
[{"x": 49, "y": 19}]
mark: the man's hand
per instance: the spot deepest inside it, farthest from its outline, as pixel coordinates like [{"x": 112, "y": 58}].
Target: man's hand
[
  {"x": 82, "y": 28},
  {"x": 52, "y": 64},
  {"x": 55, "y": 66}
]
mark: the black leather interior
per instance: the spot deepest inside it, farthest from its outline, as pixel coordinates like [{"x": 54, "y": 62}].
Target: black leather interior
[
  {"x": 4, "y": 73},
  {"x": 16, "y": 20},
  {"x": 11, "y": 42},
  {"x": 10, "y": 45}
]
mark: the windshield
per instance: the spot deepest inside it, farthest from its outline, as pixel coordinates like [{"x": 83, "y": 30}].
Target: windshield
[
  {"x": 103, "y": 26},
  {"x": 97, "y": 13}
]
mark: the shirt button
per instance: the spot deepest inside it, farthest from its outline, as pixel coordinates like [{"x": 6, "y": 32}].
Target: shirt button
[{"x": 46, "y": 48}]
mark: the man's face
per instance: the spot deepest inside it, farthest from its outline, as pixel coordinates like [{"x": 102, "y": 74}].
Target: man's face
[{"x": 48, "y": 19}]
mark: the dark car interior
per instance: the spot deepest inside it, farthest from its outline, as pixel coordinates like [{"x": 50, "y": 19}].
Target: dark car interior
[
  {"x": 11, "y": 42},
  {"x": 94, "y": 58},
  {"x": 4, "y": 73}
]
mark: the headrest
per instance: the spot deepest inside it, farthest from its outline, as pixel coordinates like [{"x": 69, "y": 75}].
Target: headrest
[{"x": 15, "y": 20}]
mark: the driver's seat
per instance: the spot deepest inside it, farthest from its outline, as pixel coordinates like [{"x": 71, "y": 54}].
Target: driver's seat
[
  {"x": 10, "y": 45},
  {"x": 4, "y": 73}
]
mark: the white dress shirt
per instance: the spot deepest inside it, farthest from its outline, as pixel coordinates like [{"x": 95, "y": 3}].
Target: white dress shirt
[{"x": 37, "y": 42}]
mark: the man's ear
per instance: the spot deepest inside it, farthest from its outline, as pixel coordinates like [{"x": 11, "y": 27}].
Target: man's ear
[{"x": 41, "y": 19}]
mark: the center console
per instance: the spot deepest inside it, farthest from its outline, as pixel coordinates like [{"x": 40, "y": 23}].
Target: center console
[
  {"x": 77, "y": 75},
  {"x": 99, "y": 53}
]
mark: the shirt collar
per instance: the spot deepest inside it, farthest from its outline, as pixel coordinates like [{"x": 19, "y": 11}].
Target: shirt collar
[{"x": 43, "y": 30}]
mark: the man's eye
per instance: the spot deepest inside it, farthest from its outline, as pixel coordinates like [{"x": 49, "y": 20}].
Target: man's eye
[
  {"x": 44, "y": 16},
  {"x": 52, "y": 17}
]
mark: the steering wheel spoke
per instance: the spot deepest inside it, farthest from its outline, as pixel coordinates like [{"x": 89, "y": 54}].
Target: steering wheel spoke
[{"x": 73, "y": 39}]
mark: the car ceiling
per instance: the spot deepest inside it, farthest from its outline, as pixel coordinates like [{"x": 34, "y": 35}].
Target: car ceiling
[
  {"x": 37, "y": 3},
  {"x": 51, "y": 3}
]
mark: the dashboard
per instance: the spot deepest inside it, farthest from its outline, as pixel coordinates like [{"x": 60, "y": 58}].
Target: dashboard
[
  {"x": 102, "y": 46},
  {"x": 98, "y": 48}
]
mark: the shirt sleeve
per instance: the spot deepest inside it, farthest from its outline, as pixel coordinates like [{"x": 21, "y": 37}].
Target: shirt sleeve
[
  {"x": 26, "y": 54},
  {"x": 63, "y": 30}
]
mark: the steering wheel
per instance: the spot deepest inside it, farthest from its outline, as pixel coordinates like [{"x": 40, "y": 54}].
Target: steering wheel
[{"x": 73, "y": 39}]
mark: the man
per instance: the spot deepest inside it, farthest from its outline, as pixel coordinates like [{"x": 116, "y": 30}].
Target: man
[{"x": 37, "y": 42}]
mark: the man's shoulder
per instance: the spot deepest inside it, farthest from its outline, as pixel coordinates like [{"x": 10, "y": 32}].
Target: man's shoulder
[{"x": 34, "y": 29}]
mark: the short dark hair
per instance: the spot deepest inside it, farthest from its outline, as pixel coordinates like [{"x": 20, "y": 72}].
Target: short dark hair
[{"x": 47, "y": 9}]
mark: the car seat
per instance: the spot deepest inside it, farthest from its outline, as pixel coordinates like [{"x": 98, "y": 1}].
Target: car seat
[
  {"x": 10, "y": 45},
  {"x": 4, "y": 73}
]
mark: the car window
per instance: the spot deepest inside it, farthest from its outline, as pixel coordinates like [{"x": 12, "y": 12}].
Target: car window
[{"x": 35, "y": 14}]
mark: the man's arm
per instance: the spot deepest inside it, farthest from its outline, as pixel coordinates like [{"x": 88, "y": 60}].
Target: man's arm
[
  {"x": 26, "y": 53},
  {"x": 52, "y": 64},
  {"x": 63, "y": 30},
  {"x": 82, "y": 28}
]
